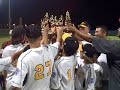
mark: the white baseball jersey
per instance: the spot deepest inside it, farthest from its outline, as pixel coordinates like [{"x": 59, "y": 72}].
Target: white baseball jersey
[
  {"x": 79, "y": 78},
  {"x": 90, "y": 76},
  {"x": 8, "y": 51},
  {"x": 98, "y": 70},
  {"x": 79, "y": 75},
  {"x": 37, "y": 64},
  {"x": 4, "y": 62},
  {"x": 63, "y": 73},
  {"x": 85, "y": 77},
  {"x": 80, "y": 61},
  {"x": 102, "y": 60},
  {"x": 11, "y": 49}
]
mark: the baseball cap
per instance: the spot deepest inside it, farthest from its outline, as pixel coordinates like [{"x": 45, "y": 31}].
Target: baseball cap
[
  {"x": 33, "y": 31},
  {"x": 65, "y": 35},
  {"x": 89, "y": 50},
  {"x": 83, "y": 25},
  {"x": 71, "y": 45}
]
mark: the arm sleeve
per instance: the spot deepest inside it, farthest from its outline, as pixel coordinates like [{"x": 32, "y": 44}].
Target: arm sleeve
[
  {"x": 102, "y": 45},
  {"x": 20, "y": 73},
  {"x": 4, "y": 62},
  {"x": 55, "y": 48},
  {"x": 107, "y": 46},
  {"x": 55, "y": 78}
]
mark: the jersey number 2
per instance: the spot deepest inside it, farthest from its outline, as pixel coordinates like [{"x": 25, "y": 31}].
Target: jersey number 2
[{"x": 40, "y": 69}]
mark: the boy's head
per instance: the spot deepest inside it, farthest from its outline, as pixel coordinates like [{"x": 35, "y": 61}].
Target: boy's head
[
  {"x": 70, "y": 46},
  {"x": 18, "y": 34},
  {"x": 89, "y": 52},
  {"x": 33, "y": 32}
]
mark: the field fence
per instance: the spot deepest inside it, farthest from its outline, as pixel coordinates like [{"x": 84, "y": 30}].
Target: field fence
[{"x": 110, "y": 32}]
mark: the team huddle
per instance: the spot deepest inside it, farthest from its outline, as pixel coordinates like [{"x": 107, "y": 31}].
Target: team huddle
[{"x": 54, "y": 57}]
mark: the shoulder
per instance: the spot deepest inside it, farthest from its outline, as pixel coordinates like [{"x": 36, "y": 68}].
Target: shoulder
[
  {"x": 85, "y": 42},
  {"x": 64, "y": 60},
  {"x": 59, "y": 61},
  {"x": 8, "y": 47},
  {"x": 55, "y": 45},
  {"x": 97, "y": 67},
  {"x": 29, "y": 54},
  {"x": 25, "y": 54}
]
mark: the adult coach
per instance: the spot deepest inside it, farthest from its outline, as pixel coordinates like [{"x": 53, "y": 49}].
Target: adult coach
[
  {"x": 112, "y": 49},
  {"x": 101, "y": 32},
  {"x": 37, "y": 62}
]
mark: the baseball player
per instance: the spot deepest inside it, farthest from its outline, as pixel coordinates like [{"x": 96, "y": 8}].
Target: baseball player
[
  {"x": 36, "y": 63},
  {"x": 64, "y": 68},
  {"x": 18, "y": 35}
]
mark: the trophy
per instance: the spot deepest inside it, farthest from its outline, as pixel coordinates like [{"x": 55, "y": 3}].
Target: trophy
[
  {"x": 67, "y": 22},
  {"x": 67, "y": 18},
  {"x": 51, "y": 20},
  {"x": 42, "y": 26},
  {"x": 60, "y": 21},
  {"x": 55, "y": 20},
  {"x": 45, "y": 20}
]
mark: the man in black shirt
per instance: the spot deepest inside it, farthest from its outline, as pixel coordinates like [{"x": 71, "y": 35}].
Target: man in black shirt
[{"x": 112, "y": 49}]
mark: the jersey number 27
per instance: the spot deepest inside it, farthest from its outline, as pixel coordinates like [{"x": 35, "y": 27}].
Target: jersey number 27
[{"x": 40, "y": 70}]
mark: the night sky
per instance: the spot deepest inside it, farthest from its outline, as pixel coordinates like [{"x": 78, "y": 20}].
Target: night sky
[{"x": 96, "y": 12}]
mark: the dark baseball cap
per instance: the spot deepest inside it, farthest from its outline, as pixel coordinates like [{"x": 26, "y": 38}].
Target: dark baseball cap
[
  {"x": 89, "y": 50},
  {"x": 83, "y": 25},
  {"x": 71, "y": 45}
]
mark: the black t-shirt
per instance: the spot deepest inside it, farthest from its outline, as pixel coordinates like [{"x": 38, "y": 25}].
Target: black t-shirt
[{"x": 112, "y": 49}]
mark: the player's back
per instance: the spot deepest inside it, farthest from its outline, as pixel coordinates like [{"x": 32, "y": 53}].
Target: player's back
[
  {"x": 9, "y": 51},
  {"x": 38, "y": 63},
  {"x": 65, "y": 70}
]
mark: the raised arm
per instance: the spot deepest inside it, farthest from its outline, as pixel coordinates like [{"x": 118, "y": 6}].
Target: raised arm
[
  {"x": 59, "y": 34},
  {"x": 45, "y": 35},
  {"x": 82, "y": 35}
]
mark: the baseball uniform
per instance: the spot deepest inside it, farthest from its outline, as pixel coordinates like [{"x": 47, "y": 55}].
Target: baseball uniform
[
  {"x": 37, "y": 64},
  {"x": 63, "y": 73}
]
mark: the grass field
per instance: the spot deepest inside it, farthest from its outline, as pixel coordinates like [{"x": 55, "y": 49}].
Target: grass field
[
  {"x": 6, "y": 37},
  {"x": 3, "y": 38}
]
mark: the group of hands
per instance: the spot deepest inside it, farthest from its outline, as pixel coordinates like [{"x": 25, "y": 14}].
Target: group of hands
[{"x": 54, "y": 29}]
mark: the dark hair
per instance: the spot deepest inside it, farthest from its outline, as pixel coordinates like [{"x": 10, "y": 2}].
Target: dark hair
[
  {"x": 103, "y": 28},
  {"x": 70, "y": 46},
  {"x": 89, "y": 50},
  {"x": 33, "y": 32},
  {"x": 17, "y": 35}
]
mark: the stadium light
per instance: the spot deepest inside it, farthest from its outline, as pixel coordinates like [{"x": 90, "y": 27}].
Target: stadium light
[{"x": 9, "y": 15}]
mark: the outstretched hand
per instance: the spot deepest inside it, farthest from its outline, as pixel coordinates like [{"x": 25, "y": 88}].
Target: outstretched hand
[
  {"x": 72, "y": 29},
  {"x": 59, "y": 33}
]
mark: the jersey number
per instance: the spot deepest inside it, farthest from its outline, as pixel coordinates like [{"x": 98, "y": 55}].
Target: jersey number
[
  {"x": 40, "y": 69},
  {"x": 69, "y": 74}
]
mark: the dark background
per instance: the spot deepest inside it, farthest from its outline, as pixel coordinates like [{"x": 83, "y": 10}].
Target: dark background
[{"x": 96, "y": 12}]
